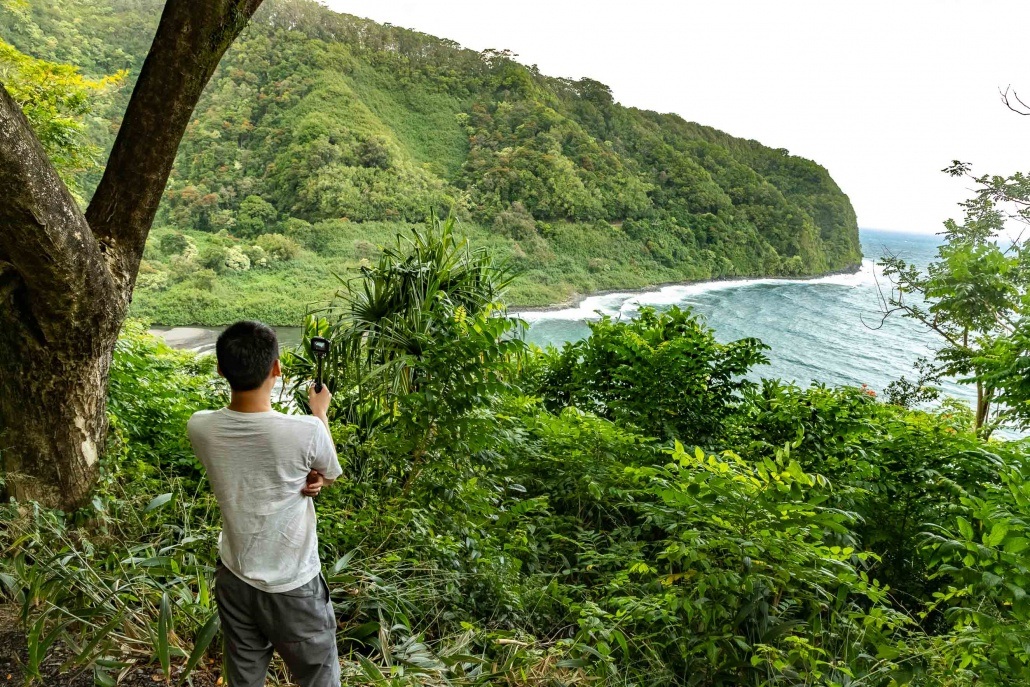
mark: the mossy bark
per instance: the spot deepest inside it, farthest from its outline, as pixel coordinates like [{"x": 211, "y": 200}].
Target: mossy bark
[{"x": 66, "y": 278}]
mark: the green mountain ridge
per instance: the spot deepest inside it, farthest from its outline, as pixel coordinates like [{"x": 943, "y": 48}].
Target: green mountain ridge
[{"x": 323, "y": 135}]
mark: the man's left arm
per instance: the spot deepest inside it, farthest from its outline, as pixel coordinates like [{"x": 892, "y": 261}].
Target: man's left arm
[
  {"x": 315, "y": 483},
  {"x": 323, "y": 462}
]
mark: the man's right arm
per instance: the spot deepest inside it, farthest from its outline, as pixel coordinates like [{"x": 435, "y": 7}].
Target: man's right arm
[
  {"x": 319, "y": 402},
  {"x": 324, "y": 459}
]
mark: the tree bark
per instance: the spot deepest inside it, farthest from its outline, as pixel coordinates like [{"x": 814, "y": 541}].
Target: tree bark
[
  {"x": 66, "y": 278},
  {"x": 984, "y": 398},
  {"x": 59, "y": 318},
  {"x": 52, "y": 401}
]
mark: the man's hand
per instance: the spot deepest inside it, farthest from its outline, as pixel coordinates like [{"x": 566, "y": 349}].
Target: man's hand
[
  {"x": 319, "y": 401},
  {"x": 314, "y": 485}
]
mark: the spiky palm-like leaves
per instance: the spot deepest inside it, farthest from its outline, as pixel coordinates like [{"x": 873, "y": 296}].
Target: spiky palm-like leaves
[{"x": 385, "y": 320}]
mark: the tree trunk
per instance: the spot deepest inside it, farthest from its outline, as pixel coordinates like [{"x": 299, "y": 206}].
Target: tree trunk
[
  {"x": 53, "y": 406},
  {"x": 59, "y": 317},
  {"x": 66, "y": 278},
  {"x": 984, "y": 397}
]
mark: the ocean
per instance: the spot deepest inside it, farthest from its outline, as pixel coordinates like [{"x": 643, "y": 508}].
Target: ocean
[{"x": 830, "y": 329}]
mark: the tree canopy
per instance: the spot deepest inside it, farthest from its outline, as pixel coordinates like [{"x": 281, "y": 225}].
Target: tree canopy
[{"x": 329, "y": 118}]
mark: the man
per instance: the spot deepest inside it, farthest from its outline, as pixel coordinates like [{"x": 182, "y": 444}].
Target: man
[{"x": 264, "y": 467}]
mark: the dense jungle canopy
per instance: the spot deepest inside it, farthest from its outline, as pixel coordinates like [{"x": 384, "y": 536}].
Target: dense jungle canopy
[{"x": 321, "y": 135}]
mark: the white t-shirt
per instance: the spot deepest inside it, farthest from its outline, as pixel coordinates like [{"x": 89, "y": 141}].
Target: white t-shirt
[{"x": 258, "y": 464}]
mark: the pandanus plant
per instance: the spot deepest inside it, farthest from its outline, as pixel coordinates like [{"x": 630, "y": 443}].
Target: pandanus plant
[{"x": 383, "y": 321}]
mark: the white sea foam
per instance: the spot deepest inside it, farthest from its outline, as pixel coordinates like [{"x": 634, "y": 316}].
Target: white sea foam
[{"x": 615, "y": 304}]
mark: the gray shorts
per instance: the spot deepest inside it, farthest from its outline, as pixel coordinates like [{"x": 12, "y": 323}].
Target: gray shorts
[{"x": 299, "y": 624}]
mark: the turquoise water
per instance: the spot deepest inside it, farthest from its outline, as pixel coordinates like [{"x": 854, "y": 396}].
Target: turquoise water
[{"x": 823, "y": 330}]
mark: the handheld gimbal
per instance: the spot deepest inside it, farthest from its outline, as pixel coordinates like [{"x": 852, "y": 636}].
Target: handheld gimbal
[{"x": 319, "y": 348}]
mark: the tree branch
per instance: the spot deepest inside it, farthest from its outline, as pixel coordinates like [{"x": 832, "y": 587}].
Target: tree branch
[
  {"x": 55, "y": 278},
  {"x": 190, "y": 41},
  {"x": 1020, "y": 109}
]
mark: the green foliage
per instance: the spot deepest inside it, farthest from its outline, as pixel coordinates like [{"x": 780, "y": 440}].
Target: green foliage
[
  {"x": 516, "y": 222},
  {"x": 489, "y": 531},
  {"x": 214, "y": 257},
  {"x": 525, "y": 151},
  {"x": 56, "y": 99},
  {"x": 663, "y": 373},
  {"x": 279, "y": 248},
  {"x": 973, "y": 297},
  {"x": 429, "y": 294},
  {"x": 306, "y": 235},
  {"x": 174, "y": 243},
  {"x": 895, "y": 468},
  {"x": 323, "y": 127},
  {"x": 756, "y": 571},
  {"x": 256, "y": 217},
  {"x": 256, "y": 255},
  {"x": 100, "y": 599},
  {"x": 153, "y": 391},
  {"x": 983, "y": 554}
]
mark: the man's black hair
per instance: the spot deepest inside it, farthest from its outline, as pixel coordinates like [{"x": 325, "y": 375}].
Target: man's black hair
[{"x": 246, "y": 352}]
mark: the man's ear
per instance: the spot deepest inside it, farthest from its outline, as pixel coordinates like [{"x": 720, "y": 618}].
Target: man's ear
[
  {"x": 277, "y": 370},
  {"x": 218, "y": 368}
]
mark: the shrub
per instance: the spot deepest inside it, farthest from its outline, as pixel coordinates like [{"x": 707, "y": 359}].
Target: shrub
[
  {"x": 743, "y": 578},
  {"x": 256, "y": 217},
  {"x": 189, "y": 254},
  {"x": 314, "y": 238},
  {"x": 663, "y": 373},
  {"x": 374, "y": 152},
  {"x": 365, "y": 250},
  {"x": 982, "y": 553},
  {"x": 174, "y": 243},
  {"x": 152, "y": 280},
  {"x": 896, "y": 468},
  {"x": 222, "y": 220},
  {"x": 213, "y": 257},
  {"x": 180, "y": 267},
  {"x": 204, "y": 279},
  {"x": 237, "y": 260},
  {"x": 516, "y": 223},
  {"x": 792, "y": 266},
  {"x": 256, "y": 255},
  {"x": 154, "y": 390},
  {"x": 278, "y": 247}
]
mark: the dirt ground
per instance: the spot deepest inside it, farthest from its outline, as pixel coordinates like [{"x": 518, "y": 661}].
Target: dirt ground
[{"x": 13, "y": 657}]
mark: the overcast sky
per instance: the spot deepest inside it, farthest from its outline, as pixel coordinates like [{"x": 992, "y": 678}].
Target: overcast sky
[{"x": 884, "y": 94}]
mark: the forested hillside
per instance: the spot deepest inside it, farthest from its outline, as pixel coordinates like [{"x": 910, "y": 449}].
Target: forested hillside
[
  {"x": 636, "y": 509},
  {"x": 322, "y": 135}
]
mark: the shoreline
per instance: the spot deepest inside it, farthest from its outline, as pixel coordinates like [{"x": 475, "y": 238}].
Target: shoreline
[{"x": 577, "y": 299}]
